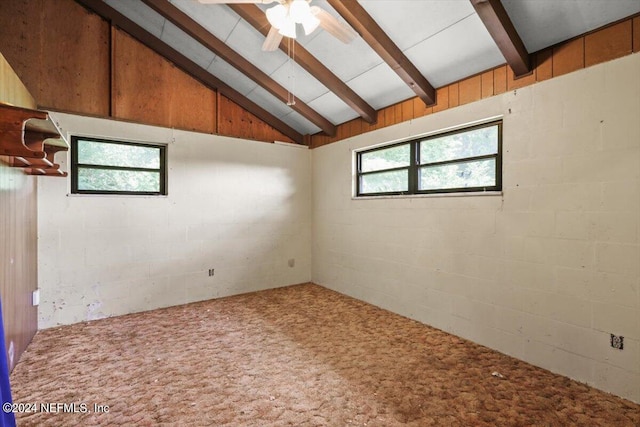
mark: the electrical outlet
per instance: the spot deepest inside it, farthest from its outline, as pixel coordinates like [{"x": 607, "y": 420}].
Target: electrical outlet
[
  {"x": 35, "y": 298},
  {"x": 292, "y": 262},
  {"x": 211, "y": 272},
  {"x": 617, "y": 341}
]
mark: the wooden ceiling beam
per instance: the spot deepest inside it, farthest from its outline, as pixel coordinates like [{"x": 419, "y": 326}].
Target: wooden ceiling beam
[
  {"x": 499, "y": 25},
  {"x": 194, "y": 70},
  {"x": 379, "y": 41},
  {"x": 220, "y": 48},
  {"x": 257, "y": 18}
]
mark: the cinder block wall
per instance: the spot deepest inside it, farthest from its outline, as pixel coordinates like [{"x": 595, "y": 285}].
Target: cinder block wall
[
  {"x": 546, "y": 271},
  {"x": 237, "y": 206}
]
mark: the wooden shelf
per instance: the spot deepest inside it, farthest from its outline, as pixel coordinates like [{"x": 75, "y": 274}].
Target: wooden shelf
[{"x": 30, "y": 140}]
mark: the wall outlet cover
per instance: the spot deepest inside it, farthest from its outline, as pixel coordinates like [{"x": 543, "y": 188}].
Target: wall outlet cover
[{"x": 617, "y": 341}]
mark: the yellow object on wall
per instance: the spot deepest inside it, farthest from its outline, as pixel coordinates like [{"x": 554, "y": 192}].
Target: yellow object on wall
[{"x": 12, "y": 91}]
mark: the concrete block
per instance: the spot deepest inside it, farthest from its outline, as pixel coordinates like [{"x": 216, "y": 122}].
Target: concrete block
[
  {"x": 621, "y": 196},
  {"x": 618, "y": 258},
  {"x": 541, "y": 224},
  {"x": 574, "y": 196},
  {"x": 509, "y": 320},
  {"x": 516, "y": 199},
  {"x": 616, "y": 226},
  {"x": 575, "y": 282},
  {"x": 618, "y": 165},
  {"x": 572, "y": 310},
  {"x": 616, "y": 319},
  {"x": 616, "y": 380},
  {"x": 614, "y": 288},
  {"x": 536, "y": 328},
  {"x": 533, "y": 173},
  {"x": 107, "y": 255},
  {"x": 628, "y": 358},
  {"x": 576, "y": 366},
  {"x": 573, "y": 253},
  {"x": 574, "y": 225},
  {"x": 528, "y": 275},
  {"x": 538, "y": 250}
]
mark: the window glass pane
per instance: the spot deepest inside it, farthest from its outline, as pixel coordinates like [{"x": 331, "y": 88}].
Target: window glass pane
[
  {"x": 124, "y": 155},
  {"x": 479, "y": 173},
  {"x": 118, "y": 180},
  {"x": 477, "y": 142},
  {"x": 395, "y": 157},
  {"x": 385, "y": 182}
]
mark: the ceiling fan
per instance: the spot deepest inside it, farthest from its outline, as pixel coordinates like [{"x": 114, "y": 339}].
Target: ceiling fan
[{"x": 285, "y": 16}]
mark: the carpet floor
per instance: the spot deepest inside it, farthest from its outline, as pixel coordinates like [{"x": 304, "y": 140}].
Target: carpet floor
[{"x": 301, "y": 355}]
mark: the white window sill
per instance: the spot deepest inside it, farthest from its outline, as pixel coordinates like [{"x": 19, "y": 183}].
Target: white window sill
[
  {"x": 143, "y": 196},
  {"x": 432, "y": 195}
]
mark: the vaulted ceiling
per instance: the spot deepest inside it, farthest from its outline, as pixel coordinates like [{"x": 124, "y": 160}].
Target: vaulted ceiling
[{"x": 403, "y": 49}]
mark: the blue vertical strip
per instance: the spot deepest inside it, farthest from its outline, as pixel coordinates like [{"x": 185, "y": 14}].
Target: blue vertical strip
[{"x": 8, "y": 418}]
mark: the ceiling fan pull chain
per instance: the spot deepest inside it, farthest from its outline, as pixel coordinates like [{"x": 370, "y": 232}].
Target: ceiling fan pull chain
[{"x": 291, "y": 47}]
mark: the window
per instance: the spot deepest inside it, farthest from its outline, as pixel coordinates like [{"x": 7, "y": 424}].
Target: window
[
  {"x": 463, "y": 160},
  {"x": 101, "y": 166}
]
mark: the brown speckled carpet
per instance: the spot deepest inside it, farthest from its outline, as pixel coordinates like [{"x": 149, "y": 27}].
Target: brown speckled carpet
[{"x": 301, "y": 355}]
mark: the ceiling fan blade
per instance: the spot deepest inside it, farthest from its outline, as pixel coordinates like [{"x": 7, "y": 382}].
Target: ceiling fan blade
[
  {"x": 329, "y": 23},
  {"x": 236, "y": 1},
  {"x": 272, "y": 41}
]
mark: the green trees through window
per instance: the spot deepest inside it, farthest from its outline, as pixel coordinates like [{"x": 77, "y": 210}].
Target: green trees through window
[
  {"x": 464, "y": 160},
  {"x": 397, "y": 158},
  {"x": 114, "y": 167}
]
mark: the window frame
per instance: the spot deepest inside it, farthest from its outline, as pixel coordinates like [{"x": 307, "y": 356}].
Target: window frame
[
  {"x": 75, "y": 166},
  {"x": 413, "y": 169}
]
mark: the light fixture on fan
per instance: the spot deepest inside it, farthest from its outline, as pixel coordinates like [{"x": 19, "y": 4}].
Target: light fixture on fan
[
  {"x": 287, "y": 14},
  {"x": 284, "y": 18}
]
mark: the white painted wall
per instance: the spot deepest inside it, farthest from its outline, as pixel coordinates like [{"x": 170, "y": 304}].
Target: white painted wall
[
  {"x": 238, "y": 206},
  {"x": 544, "y": 272}
]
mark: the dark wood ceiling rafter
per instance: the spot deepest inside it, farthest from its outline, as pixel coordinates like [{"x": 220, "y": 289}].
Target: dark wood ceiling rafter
[
  {"x": 379, "y": 41},
  {"x": 257, "y": 18},
  {"x": 220, "y": 48},
  {"x": 499, "y": 25},
  {"x": 194, "y": 70}
]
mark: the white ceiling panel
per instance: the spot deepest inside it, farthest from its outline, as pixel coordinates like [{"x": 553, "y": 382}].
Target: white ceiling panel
[
  {"x": 333, "y": 108},
  {"x": 183, "y": 43},
  {"x": 461, "y": 50},
  {"x": 144, "y": 16},
  {"x": 296, "y": 121},
  {"x": 139, "y": 13},
  {"x": 543, "y": 23},
  {"x": 247, "y": 41},
  {"x": 295, "y": 78},
  {"x": 381, "y": 87},
  {"x": 231, "y": 76},
  {"x": 345, "y": 60},
  {"x": 269, "y": 102},
  {"x": 218, "y": 19},
  {"x": 408, "y": 22}
]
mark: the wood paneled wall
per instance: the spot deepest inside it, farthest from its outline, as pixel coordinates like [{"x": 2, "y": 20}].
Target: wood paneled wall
[
  {"x": 74, "y": 61},
  {"x": 18, "y": 259},
  {"x": 18, "y": 235},
  {"x": 140, "y": 92},
  {"x": 60, "y": 53},
  {"x": 610, "y": 42}
]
